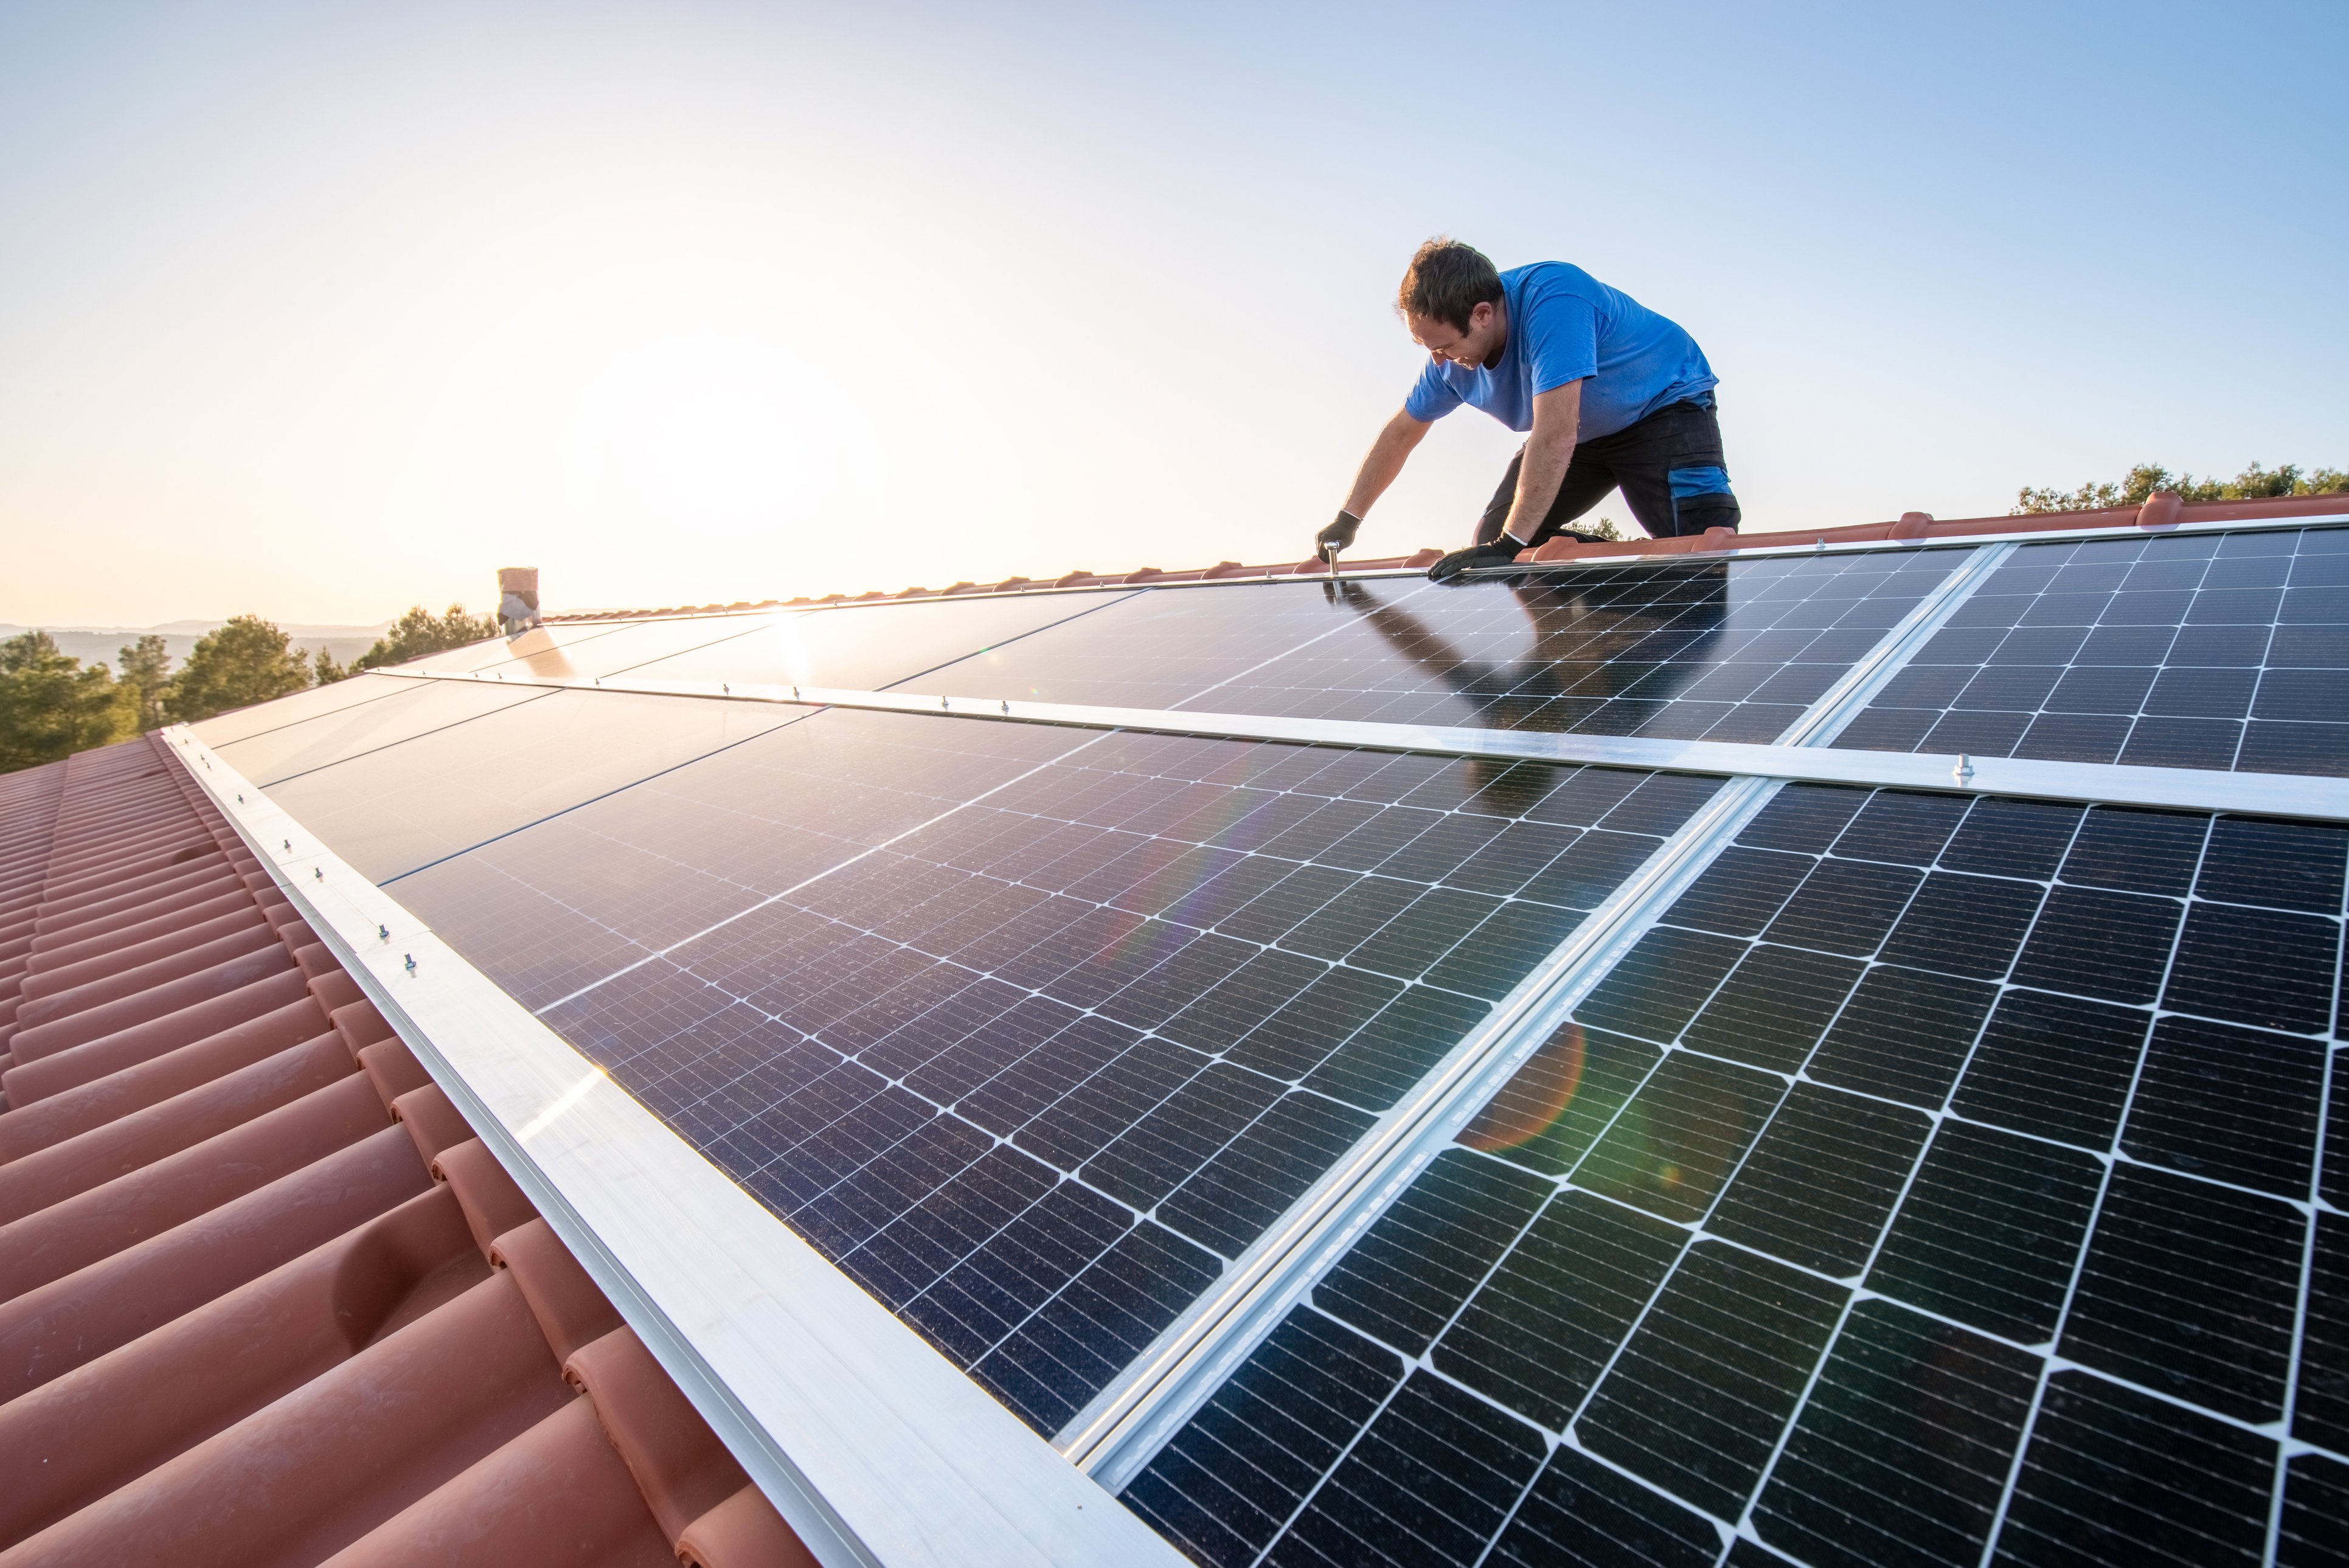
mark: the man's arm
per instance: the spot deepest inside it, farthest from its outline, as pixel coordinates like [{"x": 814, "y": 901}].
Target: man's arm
[
  {"x": 1385, "y": 461},
  {"x": 1558, "y": 417},
  {"x": 1396, "y": 442}
]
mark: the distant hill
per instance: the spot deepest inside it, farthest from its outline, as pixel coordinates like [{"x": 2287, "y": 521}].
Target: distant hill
[{"x": 99, "y": 645}]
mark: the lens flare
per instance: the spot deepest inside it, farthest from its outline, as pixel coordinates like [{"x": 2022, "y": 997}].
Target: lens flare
[{"x": 1531, "y": 1102}]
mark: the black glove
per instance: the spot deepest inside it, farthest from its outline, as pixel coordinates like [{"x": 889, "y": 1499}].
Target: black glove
[
  {"x": 1500, "y": 551},
  {"x": 1338, "y": 536}
]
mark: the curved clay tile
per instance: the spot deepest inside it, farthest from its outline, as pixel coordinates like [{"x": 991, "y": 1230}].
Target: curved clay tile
[
  {"x": 84, "y": 1106},
  {"x": 555, "y": 1497},
  {"x": 137, "y": 1139},
  {"x": 679, "y": 1466},
  {"x": 239, "y": 1321}
]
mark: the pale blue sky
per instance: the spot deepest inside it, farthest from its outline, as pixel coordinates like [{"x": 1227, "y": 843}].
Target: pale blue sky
[{"x": 318, "y": 310}]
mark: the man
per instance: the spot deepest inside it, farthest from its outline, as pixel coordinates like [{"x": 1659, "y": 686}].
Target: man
[{"x": 1609, "y": 393}]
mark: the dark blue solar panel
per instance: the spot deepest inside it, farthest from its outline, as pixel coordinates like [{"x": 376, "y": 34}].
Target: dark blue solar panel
[
  {"x": 1032, "y": 1071},
  {"x": 1682, "y": 650},
  {"x": 1936, "y": 1180},
  {"x": 495, "y": 762},
  {"x": 2187, "y": 651},
  {"x": 577, "y": 896}
]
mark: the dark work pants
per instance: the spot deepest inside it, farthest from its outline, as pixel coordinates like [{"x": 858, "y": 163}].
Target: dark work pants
[{"x": 1668, "y": 467}]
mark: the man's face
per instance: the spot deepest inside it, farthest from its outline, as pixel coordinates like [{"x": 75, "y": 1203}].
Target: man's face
[{"x": 1481, "y": 345}]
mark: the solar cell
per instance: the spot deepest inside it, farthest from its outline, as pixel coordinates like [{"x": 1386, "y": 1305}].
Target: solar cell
[
  {"x": 1883, "y": 1235},
  {"x": 2315, "y": 1501},
  {"x": 1722, "y": 651},
  {"x": 2185, "y": 651},
  {"x": 2116, "y": 1475},
  {"x": 1035, "y": 1070},
  {"x": 871, "y": 646},
  {"x": 1902, "y": 1395}
]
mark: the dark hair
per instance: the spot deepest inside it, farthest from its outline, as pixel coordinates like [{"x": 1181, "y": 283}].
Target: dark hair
[{"x": 1446, "y": 281}]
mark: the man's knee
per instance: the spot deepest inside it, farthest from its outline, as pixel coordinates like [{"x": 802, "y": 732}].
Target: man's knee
[{"x": 1701, "y": 499}]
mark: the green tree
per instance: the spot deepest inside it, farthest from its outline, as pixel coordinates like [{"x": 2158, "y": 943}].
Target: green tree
[
  {"x": 50, "y": 706},
  {"x": 325, "y": 671},
  {"x": 2140, "y": 483},
  {"x": 245, "y": 662},
  {"x": 146, "y": 673},
  {"x": 420, "y": 631}
]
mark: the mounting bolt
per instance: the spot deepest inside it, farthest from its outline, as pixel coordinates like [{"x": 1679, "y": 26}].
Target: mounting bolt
[
  {"x": 1006, "y": 707},
  {"x": 942, "y": 705},
  {"x": 727, "y": 689},
  {"x": 289, "y": 843},
  {"x": 383, "y": 932},
  {"x": 411, "y": 962},
  {"x": 1964, "y": 770},
  {"x": 319, "y": 873},
  {"x": 240, "y": 800}
]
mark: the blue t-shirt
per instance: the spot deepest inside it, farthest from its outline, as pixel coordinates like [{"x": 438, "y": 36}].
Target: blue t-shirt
[{"x": 1565, "y": 326}]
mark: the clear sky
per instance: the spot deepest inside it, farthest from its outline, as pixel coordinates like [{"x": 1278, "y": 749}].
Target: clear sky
[{"x": 322, "y": 309}]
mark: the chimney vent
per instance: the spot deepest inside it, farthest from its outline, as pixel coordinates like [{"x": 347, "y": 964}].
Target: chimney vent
[{"x": 517, "y": 599}]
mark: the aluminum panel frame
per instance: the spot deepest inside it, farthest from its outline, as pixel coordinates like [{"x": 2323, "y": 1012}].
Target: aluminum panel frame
[{"x": 2187, "y": 788}]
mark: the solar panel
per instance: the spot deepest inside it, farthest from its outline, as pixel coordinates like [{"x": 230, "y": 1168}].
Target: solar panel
[
  {"x": 1035, "y": 1071},
  {"x": 297, "y": 708},
  {"x": 2221, "y": 651},
  {"x": 871, "y": 646},
  {"x": 1721, "y": 650},
  {"x": 588, "y": 648},
  {"x": 571, "y": 899},
  {"x": 1940, "y": 1177},
  {"x": 412, "y": 708},
  {"x": 390, "y": 812},
  {"x": 1937, "y": 1169}
]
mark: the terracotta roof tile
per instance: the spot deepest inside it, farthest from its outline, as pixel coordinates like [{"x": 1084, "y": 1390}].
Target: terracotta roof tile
[
  {"x": 264, "y": 1298},
  {"x": 2162, "y": 512}
]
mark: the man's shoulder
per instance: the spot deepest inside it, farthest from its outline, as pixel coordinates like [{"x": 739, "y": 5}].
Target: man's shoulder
[{"x": 1550, "y": 277}]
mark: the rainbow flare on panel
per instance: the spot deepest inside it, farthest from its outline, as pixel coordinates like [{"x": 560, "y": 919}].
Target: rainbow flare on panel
[{"x": 1531, "y": 1103}]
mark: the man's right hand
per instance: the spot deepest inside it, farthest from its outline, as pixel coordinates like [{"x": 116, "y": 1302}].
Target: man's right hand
[{"x": 1339, "y": 536}]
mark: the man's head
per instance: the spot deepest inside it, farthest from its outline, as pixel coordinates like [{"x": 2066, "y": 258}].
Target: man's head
[{"x": 1452, "y": 301}]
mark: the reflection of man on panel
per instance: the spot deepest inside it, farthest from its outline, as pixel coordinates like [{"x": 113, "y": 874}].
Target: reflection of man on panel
[
  {"x": 1611, "y": 394},
  {"x": 1585, "y": 657}
]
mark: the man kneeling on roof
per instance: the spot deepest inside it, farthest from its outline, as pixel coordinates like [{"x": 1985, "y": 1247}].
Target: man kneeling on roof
[{"x": 1610, "y": 394}]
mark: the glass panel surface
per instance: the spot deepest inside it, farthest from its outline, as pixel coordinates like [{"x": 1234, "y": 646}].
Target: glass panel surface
[
  {"x": 593, "y": 648},
  {"x": 296, "y": 708},
  {"x": 567, "y": 902},
  {"x": 2045, "y": 1080},
  {"x": 537, "y": 643},
  {"x": 391, "y": 811},
  {"x": 2223, "y": 651},
  {"x": 1033, "y": 1071},
  {"x": 871, "y": 646},
  {"x": 1682, "y": 650},
  {"x": 414, "y": 708}
]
